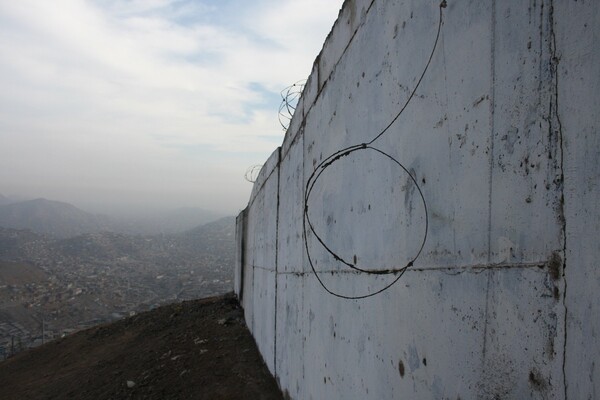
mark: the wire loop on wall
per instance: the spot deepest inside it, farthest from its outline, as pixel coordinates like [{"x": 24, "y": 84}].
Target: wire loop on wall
[{"x": 340, "y": 154}]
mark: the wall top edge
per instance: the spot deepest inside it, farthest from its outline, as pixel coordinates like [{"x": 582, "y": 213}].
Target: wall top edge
[
  {"x": 265, "y": 173},
  {"x": 308, "y": 97}
]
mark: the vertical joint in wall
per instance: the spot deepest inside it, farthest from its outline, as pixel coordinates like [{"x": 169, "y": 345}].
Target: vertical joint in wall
[
  {"x": 278, "y": 168},
  {"x": 491, "y": 173},
  {"x": 557, "y": 130},
  {"x": 243, "y": 254}
]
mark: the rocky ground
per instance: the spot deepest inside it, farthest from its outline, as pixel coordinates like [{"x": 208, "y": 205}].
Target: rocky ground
[{"x": 197, "y": 349}]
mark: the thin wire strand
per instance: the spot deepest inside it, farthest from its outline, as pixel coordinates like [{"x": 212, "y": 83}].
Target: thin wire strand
[
  {"x": 338, "y": 155},
  {"x": 412, "y": 94}
]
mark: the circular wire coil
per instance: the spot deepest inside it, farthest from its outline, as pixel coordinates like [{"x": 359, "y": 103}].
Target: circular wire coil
[
  {"x": 340, "y": 154},
  {"x": 289, "y": 100},
  {"x": 252, "y": 173}
]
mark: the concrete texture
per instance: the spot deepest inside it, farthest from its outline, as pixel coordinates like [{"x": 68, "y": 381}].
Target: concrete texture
[{"x": 501, "y": 138}]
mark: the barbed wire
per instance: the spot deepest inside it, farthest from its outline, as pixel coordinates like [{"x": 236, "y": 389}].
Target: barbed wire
[
  {"x": 252, "y": 172},
  {"x": 289, "y": 100},
  {"x": 340, "y": 154}
]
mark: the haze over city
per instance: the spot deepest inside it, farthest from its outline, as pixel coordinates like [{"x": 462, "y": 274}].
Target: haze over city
[{"x": 158, "y": 104}]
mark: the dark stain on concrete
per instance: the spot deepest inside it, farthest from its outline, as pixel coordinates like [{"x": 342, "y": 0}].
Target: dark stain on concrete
[
  {"x": 480, "y": 100},
  {"x": 536, "y": 380},
  {"x": 556, "y": 293},
  {"x": 554, "y": 265}
]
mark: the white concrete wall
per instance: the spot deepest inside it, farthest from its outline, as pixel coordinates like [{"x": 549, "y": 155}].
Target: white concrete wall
[{"x": 502, "y": 139}]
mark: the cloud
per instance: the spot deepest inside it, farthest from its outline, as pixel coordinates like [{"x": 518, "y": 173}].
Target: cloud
[{"x": 89, "y": 86}]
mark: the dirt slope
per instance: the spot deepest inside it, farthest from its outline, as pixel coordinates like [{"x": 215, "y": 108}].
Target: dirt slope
[{"x": 193, "y": 350}]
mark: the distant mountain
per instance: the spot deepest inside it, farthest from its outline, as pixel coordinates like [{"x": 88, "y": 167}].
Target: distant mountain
[
  {"x": 4, "y": 200},
  {"x": 211, "y": 244},
  {"x": 224, "y": 227},
  {"x": 19, "y": 244},
  {"x": 218, "y": 235},
  {"x": 64, "y": 220},
  {"x": 54, "y": 218},
  {"x": 165, "y": 222},
  {"x": 183, "y": 219}
]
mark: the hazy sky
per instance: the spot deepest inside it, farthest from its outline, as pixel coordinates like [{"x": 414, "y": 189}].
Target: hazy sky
[{"x": 151, "y": 102}]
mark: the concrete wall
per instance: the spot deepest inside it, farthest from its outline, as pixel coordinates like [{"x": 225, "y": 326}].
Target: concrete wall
[{"x": 501, "y": 137}]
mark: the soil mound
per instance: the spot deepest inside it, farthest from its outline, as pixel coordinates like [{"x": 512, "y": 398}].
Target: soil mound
[{"x": 197, "y": 349}]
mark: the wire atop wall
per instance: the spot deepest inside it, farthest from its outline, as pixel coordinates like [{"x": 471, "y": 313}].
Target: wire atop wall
[
  {"x": 340, "y": 154},
  {"x": 252, "y": 173},
  {"x": 289, "y": 100}
]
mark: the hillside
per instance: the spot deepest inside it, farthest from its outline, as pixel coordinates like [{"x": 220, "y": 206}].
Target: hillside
[
  {"x": 192, "y": 350},
  {"x": 162, "y": 222},
  {"x": 50, "y": 217},
  {"x": 20, "y": 274},
  {"x": 63, "y": 220},
  {"x": 92, "y": 278}
]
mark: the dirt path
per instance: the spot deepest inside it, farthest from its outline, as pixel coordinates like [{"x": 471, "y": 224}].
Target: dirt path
[{"x": 193, "y": 350}]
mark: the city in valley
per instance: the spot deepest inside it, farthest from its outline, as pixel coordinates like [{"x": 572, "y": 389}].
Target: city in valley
[{"x": 51, "y": 287}]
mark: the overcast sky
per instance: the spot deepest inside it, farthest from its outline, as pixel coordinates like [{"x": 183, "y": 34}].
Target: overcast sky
[{"x": 150, "y": 102}]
